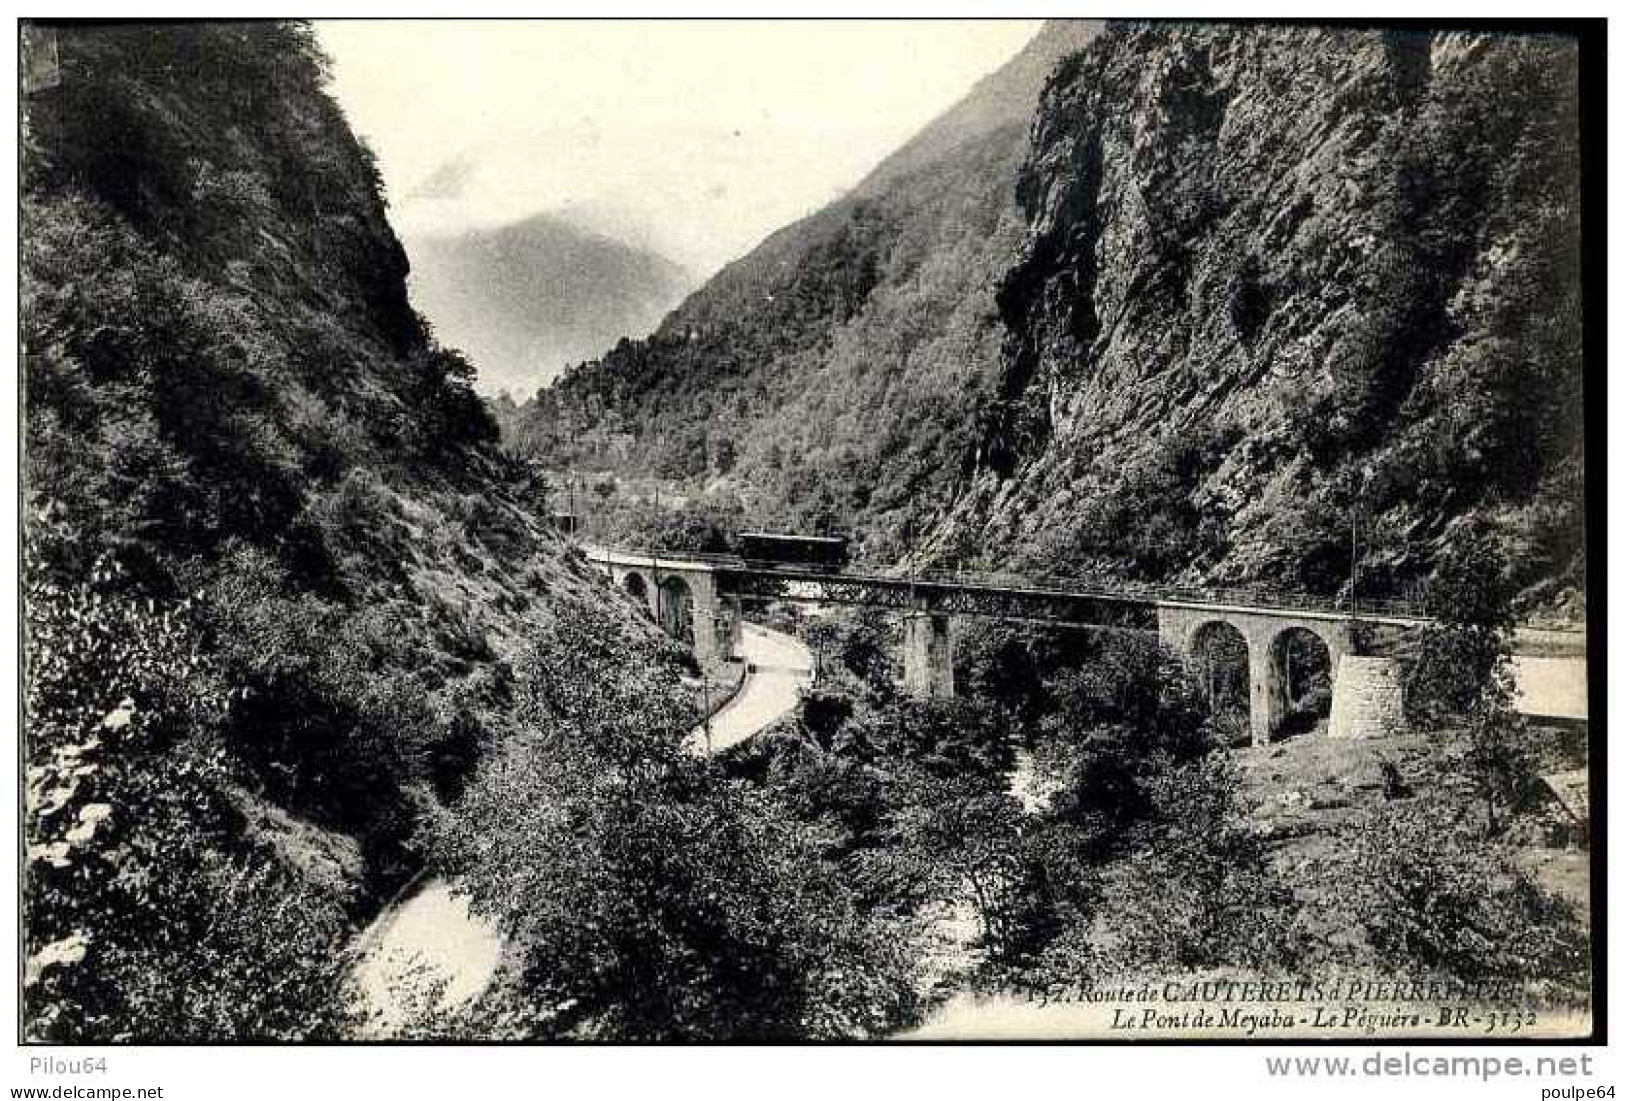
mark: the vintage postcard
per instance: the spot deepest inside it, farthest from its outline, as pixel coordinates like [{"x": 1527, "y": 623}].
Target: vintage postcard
[{"x": 802, "y": 531}]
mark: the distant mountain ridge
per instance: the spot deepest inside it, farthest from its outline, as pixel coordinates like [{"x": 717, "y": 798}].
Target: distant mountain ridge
[
  {"x": 835, "y": 370},
  {"x": 527, "y": 299}
]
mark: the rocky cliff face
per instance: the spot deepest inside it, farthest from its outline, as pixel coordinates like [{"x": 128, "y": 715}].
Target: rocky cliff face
[{"x": 1274, "y": 277}]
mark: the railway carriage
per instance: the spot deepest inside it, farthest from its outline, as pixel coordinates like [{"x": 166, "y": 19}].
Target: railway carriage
[{"x": 779, "y": 550}]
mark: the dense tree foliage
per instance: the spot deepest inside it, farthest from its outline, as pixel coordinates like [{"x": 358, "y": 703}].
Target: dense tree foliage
[
  {"x": 1442, "y": 897},
  {"x": 648, "y": 900},
  {"x": 150, "y": 916},
  {"x": 917, "y": 803},
  {"x": 1460, "y": 676}
]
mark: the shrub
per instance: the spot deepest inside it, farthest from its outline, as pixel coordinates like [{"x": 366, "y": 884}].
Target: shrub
[
  {"x": 947, "y": 839},
  {"x": 327, "y": 720},
  {"x": 148, "y": 914},
  {"x": 1459, "y": 664},
  {"x": 1200, "y": 891},
  {"x": 840, "y": 800},
  {"x": 1435, "y": 896},
  {"x": 949, "y": 738},
  {"x": 1119, "y": 723},
  {"x": 1460, "y": 671},
  {"x": 998, "y": 663},
  {"x": 823, "y": 710}
]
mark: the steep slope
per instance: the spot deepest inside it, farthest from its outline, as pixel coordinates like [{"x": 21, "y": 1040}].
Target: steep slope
[
  {"x": 999, "y": 100},
  {"x": 280, "y": 588},
  {"x": 832, "y": 375},
  {"x": 1280, "y": 278},
  {"x": 526, "y": 300}
]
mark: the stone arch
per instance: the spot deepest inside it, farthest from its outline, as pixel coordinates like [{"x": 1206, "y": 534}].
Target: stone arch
[
  {"x": 1301, "y": 669},
  {"x": 675, "y": 609},
  {"x": 1221, "y": 666},
  {"x": 636, "y": 587}
]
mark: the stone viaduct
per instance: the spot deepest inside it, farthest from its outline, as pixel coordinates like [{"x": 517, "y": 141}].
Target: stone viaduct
[
  {"x": 682, "y": 595},
  {"x": 1185, "y": 626},
  {"x": 697, "y": 598}
]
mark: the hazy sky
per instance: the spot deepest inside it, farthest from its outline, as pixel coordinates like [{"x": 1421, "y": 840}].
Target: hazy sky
[{"x": 696, "y": 138}]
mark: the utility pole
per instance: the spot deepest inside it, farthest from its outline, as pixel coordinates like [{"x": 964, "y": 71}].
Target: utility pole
[
  {"x": 705, "y": 704},
  {"x": 1354, "y": 559},
  {"x": 908, "y": 547},
  {"x": 1354, "y": 543}
]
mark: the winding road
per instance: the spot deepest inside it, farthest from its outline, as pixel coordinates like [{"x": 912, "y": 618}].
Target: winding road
[
  {"x": 430, "y": 939},
  {"x": 779, "y": 666}
]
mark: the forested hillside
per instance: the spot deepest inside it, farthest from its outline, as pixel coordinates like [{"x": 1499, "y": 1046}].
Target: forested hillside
[
  {"x": 831, "y": 376},
  {"x": 291, "y": 619},
  {"x": 1258, "y": 280},
  {"x": 1276, "y": 278}
]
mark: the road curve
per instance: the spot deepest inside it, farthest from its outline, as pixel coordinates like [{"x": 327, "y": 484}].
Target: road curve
[{"x": 779, "y": 667}]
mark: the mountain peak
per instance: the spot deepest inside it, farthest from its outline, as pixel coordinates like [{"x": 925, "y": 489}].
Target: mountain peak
[
  {"x": 1005, "y": 97},
  {"x": 529, "y": 298}
]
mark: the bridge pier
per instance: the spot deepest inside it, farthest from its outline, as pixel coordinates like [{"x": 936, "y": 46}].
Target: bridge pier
[
  {"x": 1265, "y": 694},
  {"x": 733, "y": 617},
  {"x": 928, "y": 656},
  {"x": 714, "y": 634}
]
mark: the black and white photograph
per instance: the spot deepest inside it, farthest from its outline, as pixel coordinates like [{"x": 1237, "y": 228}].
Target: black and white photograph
[{"x": 798, "y": 531}]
